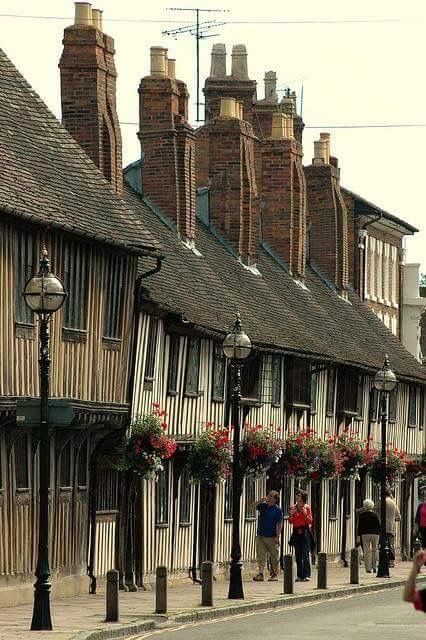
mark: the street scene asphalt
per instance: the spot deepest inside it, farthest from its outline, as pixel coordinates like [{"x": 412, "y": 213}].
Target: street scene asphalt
[{"x": 381, "y": 615}]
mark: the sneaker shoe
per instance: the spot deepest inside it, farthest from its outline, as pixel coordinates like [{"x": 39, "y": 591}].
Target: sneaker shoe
[
  {"x": 259, "y": 577},
  {"x": 368, "y": 570},
  {"x": 273, "y": 578},
  {"x": 306, "y": 579}
]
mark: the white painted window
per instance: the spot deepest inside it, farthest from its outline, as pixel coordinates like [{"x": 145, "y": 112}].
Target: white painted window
[
  {"x": 379, "y": 271},
  {"x": 386, "y": 267},
  {"x": 372, "y": 262}
]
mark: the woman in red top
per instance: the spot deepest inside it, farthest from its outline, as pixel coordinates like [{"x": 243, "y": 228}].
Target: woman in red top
[
  {"x": 420, "y": 521},
  {"x": 300, "y": 516}
]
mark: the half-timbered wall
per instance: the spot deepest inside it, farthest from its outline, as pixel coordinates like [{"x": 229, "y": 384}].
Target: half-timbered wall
[
  {"x": 160, "y": 352},
  {"x": 87, "y": 363},
  {"x": 91, "y": 338}
]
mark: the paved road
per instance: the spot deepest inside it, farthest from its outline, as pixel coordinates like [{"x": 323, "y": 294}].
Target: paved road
[{"x": 380, "y": 615}]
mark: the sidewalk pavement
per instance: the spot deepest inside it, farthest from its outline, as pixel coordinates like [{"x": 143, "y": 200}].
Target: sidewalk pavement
[{"x": 82, "y": 617}]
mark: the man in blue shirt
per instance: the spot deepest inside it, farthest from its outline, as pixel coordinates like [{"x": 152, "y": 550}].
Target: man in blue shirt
[{"x": 269, "y": 527}]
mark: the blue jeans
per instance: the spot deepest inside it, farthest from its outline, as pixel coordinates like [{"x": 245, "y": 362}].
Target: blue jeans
[{"x": 301, "y": 550}]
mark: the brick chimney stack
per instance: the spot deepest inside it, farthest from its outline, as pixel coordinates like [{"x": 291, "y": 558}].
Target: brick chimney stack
[
  {"x": 168, "y": 144},
  {"x": 328, "y": 217},
  {"x": 284, "y": 195},
  {"x": 238, "y": 85},
  {"x": 229, "y": 167},
  {"x": 88, "y": 92}
]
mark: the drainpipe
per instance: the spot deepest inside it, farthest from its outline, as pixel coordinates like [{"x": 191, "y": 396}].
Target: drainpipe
[{"x": 132, "y": 508}]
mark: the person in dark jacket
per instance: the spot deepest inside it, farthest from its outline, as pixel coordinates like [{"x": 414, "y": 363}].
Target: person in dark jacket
[{"x": 368, "y": 531}]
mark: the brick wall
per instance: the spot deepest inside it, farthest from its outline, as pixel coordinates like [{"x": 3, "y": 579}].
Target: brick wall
[
  {"x": 88, "y": 97},
  {"x": 168, "y": 148},
  {"x": 284, "y": 197},
  {"x": 327, "y": 221},
  {"x": 234, "y": 202}
]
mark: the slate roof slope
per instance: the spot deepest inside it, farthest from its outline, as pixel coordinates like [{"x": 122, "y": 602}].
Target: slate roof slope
[
  {"x": 276, "y": 312},
  {"x": 46, "y": 177}
]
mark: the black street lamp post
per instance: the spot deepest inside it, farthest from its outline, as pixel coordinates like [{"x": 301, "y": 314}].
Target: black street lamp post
[
  {"x": 384, "y": 381},
  {"x": 44, "y": 293},
  {"x": 236, "y": 347}
]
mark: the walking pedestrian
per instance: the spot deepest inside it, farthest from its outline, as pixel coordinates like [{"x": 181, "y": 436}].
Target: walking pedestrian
[
  {"x": 269, "y": 527},
  {"x": 392, "y": 516},
  {"x": 411, "y": 594},
  {"x": 368, "y": 531},
  {"x": 300, "y": 516},
  {"x": 420, "y": 521}
]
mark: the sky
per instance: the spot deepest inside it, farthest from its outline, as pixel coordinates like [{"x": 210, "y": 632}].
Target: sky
[{"x": 360, "y": 64}]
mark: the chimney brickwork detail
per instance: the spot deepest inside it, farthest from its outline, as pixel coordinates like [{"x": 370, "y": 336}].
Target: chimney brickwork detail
[
  {"x": 88, "y": 95},
  {"x": 328, "y": 218},
  {"x": 168, "y": 145}
]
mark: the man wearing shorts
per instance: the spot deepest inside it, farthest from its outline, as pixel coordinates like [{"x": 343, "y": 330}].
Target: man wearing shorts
[{"x": 269, "y": 527}]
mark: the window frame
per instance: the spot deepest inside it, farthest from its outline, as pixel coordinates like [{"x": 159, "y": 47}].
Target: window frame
[
  {"x": 114, "y": 288},
  {"x": 330, "y": 407},
  {"x": 17, "y": 457},
  {"x": 194, "y": 362},
  {"x": 250, "y": 497},
  {"x": 219, "y": 372},
  {"x": 173, "y": 366},
  {"x": 276, "y": 379},
  {"x": 24, "y": 267},
  {"x": 412, "y": 406},
  {"x": 251, "y": 378},
  {"x": 286, "y": 495},
  {"x": 76, "y": 281},
  {"x": 192, "y": 378},
  {"x": 374, "y": 405},
  {"x": 227, "y": 500},
  {"x": 162, "y": 498},
  {"x": 393, "y": 405},
  {"x": 313, "y": 391},
  {"x": 151, "y": 349},
  {"x": 333, "y": 498},
  {"x": 298, "y": 374},
  {"x": 68, "y": 484},
  {"x": 185, "y": 492}
]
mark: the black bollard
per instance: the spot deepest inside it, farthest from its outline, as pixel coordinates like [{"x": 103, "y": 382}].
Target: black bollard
[
  {"x": 112, "y": 608},
  {"x": 207, "y": 584},
  {"x": 354, "y": 574},
  {"x": 161, "y": 590},
  {"x": 288, "y": 574},
  {"x": 322, "y": 571}
]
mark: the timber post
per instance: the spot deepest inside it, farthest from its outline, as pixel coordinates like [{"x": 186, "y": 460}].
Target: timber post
[
  {"x": 161, "y": 590},
  {"x": 354, "y": 572},
  {"x": 288, "y": 574},
  {"x": 322, "y": 571},
  {"x": 112, "y": 606},
  {"x": 207, "y": 584}
]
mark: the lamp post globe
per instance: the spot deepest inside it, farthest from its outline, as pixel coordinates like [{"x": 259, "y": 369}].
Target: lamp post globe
[
  {"x": 384, "y": 381},
  {"x": 44, "y": 294},
  {"x": 236, "y": 347},
  {"x": 236, "y": 344}
]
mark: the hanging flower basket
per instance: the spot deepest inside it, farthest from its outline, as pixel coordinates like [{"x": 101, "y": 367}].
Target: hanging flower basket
[
  {"x": 351, "y": 451},
  {"x": 301, "y": 457},
  {"x": 396, "y": 465},
  {"x": 259, "y": 450},
  {"x": 210, "y": 458},
  {"x": 148, "y": 445}
]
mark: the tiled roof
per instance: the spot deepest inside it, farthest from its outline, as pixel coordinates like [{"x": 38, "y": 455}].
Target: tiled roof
[
  {"x": 276, "y": 312},
  {"x": 45, "y": 176}
]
